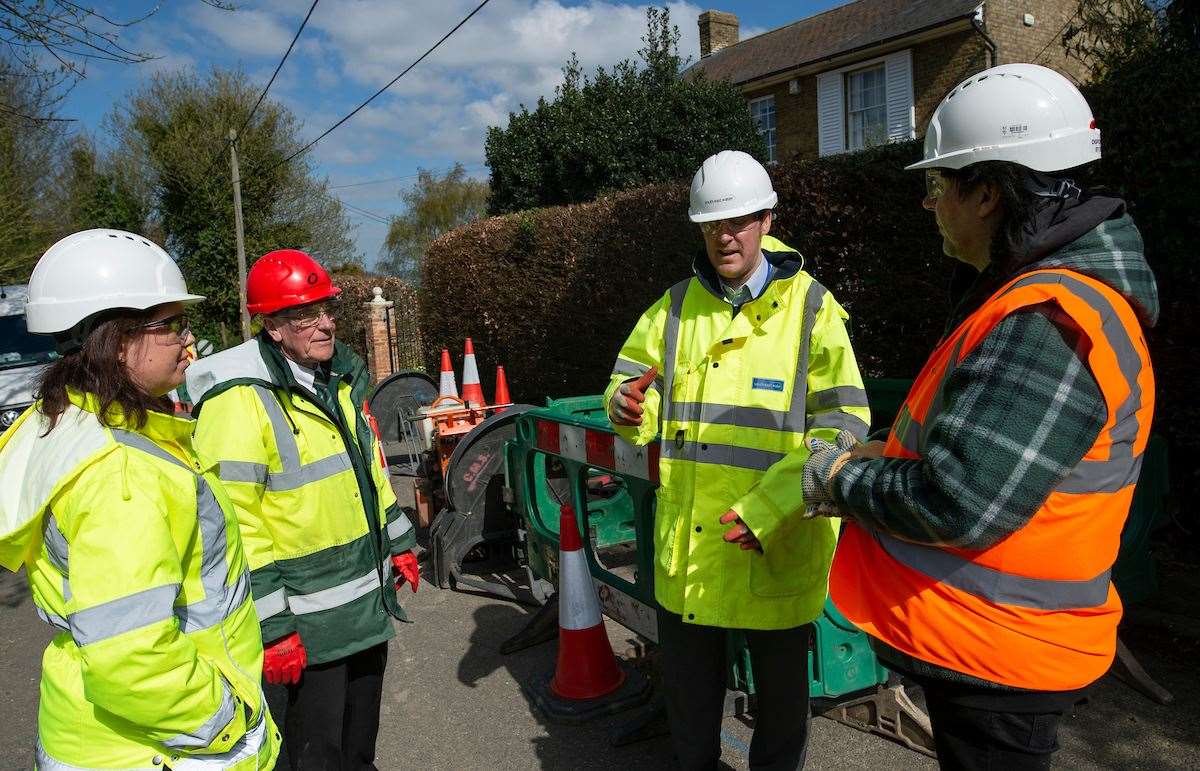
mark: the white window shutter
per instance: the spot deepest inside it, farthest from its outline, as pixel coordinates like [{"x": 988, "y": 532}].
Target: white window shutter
[
  {"x": 831, "y": 114},
  {"x": 901, "y": 117}
]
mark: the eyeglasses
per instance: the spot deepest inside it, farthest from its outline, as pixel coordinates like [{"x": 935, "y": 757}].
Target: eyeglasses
[
  {"x": 935, "y": 183},
  {"x": 733, "y": 225},
  {"x": 176, "y": 325},
  {"x": 308, "y": 316}
]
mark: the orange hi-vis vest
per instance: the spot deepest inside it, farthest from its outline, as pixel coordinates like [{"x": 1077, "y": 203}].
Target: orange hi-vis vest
[{"x": 1036, "y": 610}]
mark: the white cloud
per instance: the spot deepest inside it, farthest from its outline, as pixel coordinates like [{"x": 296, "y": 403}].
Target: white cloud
[{"x": 246, "y": 31}]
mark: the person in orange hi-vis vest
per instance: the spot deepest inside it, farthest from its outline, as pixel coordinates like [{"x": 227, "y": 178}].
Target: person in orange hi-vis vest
[{"x": 980, "y": 536}]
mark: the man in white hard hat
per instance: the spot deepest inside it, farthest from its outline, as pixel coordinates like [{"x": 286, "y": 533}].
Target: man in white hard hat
[
  {"x": 734, "y": 367},
  {"x": 981, "y": 535}
]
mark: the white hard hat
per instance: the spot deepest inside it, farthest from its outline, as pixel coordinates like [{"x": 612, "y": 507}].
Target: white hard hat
[
  {"x": 1020, "y": 113},
  {"x": 730, "y": 184},
  {"x": 100, "y": 270}
]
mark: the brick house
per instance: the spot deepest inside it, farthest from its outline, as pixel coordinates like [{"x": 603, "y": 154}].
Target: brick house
[{"x": 873, "y": 71}]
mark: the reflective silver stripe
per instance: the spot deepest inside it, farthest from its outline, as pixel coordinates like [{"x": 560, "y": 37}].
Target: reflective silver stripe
[
  {"x": 671, "y": 344},
  {"x": 216, "y": 606},
  {"x": 1102, "y": 476},
  {"x": 838, "y": 396},
  {"x": 907, "y": 430},
  {"x": 285, "y": 440},
  {"x": 994, "y": 585},
  {"x": 243, "y": 471},
  {"x": 272, "y": 604},
  {"x": 840, "y": 420},
  {"x": 56, "y": 544},
  {"x": 729, "y": 415},
  {"x": 629, "y": 368},
  {"x": 52, "y": 619},
  {"x": 47, "y": 763},
  {"x": 124, "y": 614},
  {"x": 723, "y": 454},
  {"x": 219, "y": 600},
  {"x": 939, "y": 396},
  {"x": 398, "y": 527},
  {"x": 797, "y": 418},
  {"x": 207, "y": 732},
  {"x": 334, "y": 596},
  {"x": 140, "y": 442},
  {"x": 310, "y": 472},
  {"x": 1125, "y": 427}
]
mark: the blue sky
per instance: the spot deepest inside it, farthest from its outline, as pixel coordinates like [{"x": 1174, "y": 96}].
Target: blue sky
[{"x": 510, "y": 53}]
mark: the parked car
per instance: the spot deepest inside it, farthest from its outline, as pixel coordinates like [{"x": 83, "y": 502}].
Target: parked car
[{"x": 22, "y": 356}]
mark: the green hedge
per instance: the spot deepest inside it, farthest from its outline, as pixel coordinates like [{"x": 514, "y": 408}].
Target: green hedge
[{"x": 552, "y": 293}]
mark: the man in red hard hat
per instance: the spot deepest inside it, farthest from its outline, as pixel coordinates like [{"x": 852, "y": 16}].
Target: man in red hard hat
[{"x": 285, "y": 416}]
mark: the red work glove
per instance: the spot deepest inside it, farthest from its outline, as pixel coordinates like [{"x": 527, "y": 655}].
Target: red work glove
[
  {"x": 284, "y": 660},
  {"x": 406, "y": 570}
]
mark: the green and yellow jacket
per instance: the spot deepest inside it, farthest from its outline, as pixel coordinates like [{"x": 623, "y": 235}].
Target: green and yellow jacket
[{"x": 317, "y": 512}]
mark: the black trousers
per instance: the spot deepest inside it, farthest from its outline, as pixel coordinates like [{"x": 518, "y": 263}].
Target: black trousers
[
  {"x": 333, "y": 713},
  {"x": 981, "y": 728},
  {"x": 694, "y": 670}
]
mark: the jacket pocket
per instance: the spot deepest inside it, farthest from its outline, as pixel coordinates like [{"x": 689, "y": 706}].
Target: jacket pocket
[
  {"x": 791, "y": 564},
  {"x": 668, "y": 527}
]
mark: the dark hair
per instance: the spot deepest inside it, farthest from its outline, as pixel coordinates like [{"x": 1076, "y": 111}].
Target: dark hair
[
  {"x": 96, "y": 369},
  {"x": 1018, "y": 207}
]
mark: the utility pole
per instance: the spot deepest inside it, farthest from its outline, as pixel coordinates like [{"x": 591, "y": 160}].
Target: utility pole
[{"x": 241, "y": 235}]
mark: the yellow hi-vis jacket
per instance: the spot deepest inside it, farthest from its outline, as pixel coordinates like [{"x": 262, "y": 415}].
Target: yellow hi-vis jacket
[
  {"x": 132, "y": 551},
  {"x": 318, "y": 516},
  {"x": 735, "y": 398}
]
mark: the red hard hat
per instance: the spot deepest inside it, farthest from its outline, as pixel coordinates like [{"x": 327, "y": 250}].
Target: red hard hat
[{"x": 284, "y": 278}]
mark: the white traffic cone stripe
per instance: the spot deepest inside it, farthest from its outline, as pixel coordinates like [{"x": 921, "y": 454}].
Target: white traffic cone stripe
[
  {"x": 447, "y": 386},
  {"x": 578, "y": 606}
]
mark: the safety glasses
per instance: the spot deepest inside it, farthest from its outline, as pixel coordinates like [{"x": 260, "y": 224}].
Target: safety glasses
[
  {"x": 935, "y": 183},
  {"x": 308, "y": 316},
  {"x": 176, "y": 325},
  {"x": 733, "y": 225}
]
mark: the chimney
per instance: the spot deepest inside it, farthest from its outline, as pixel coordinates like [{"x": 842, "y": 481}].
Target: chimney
[{"x": 718, "y": 30}]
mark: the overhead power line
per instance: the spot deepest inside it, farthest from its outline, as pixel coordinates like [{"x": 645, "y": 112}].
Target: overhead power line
[
  {"x": 278, "y": 67},
  {"x": 404, "y": 177},
  {"x": 390, "y": 83},
  {"x": 263, "y": 94}
]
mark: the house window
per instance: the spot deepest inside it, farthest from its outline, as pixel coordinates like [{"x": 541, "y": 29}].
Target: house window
[
  {"x": 866, "y": 108},
  {"x": 762, "y": 112}
]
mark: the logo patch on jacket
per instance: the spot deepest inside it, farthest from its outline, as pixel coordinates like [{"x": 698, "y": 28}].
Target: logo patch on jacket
[{"x": 766, "y": 384}]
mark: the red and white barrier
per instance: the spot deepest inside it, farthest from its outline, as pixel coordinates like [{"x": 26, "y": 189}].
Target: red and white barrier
[{"x": 599, "y": 449}]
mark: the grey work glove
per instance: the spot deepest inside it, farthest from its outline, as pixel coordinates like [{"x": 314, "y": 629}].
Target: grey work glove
[{"x": 820, "y": 469}]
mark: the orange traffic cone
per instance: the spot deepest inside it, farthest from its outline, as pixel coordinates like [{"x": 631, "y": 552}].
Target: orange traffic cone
[
  {"x": 502, "y": 396},
  {"x": 447, "y": 386},
  {"x": 472, "y": 392},
  {"x": 588, "y": 680}
]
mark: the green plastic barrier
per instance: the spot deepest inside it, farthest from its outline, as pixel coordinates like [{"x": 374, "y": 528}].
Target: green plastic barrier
[{"x": 616, "y": 512}]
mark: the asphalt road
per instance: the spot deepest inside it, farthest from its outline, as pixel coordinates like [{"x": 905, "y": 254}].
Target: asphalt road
[{"x": 452, "y": 701}]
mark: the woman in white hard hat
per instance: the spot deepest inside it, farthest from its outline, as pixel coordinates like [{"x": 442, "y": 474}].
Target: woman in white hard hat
[
  {"x": 981, "y": 536},
  {"x": 131, "y": 547}
]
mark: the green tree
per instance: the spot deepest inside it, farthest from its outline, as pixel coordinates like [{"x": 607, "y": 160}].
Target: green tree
[
  {"x": 631, "y": 125},
  {"x": 31, "y": 139},
  {"x": 98, "y": 197},
  {"x": 174, "y": 130},
  {"x": 434, "y": 205}
]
